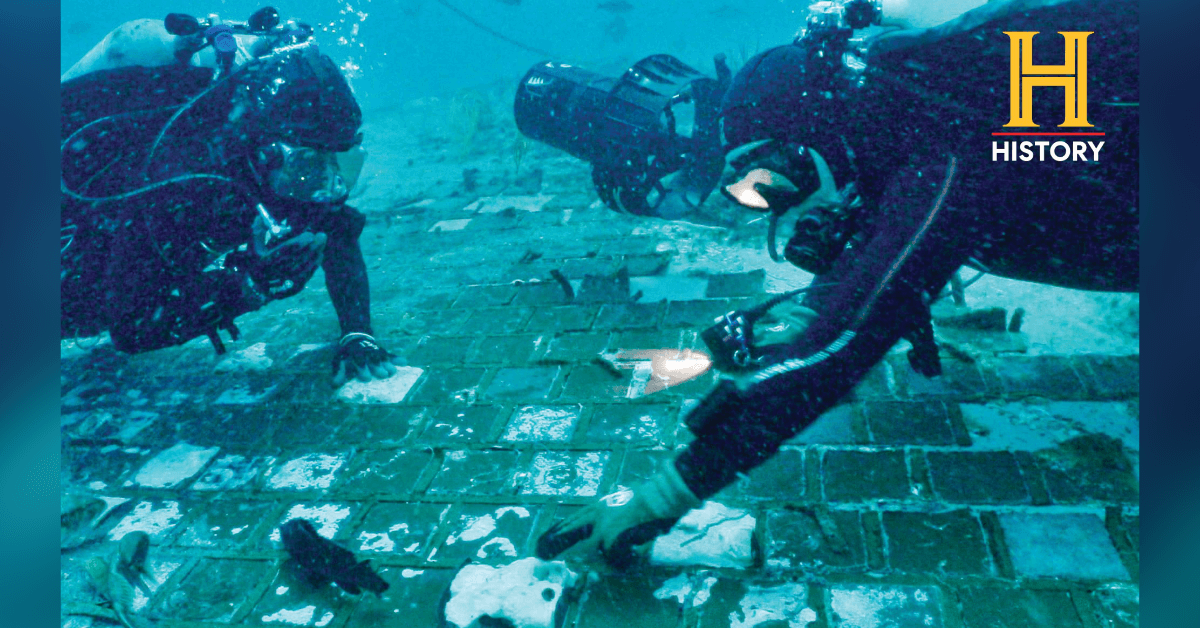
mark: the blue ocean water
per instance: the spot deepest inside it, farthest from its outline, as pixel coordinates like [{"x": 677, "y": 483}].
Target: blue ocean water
[
  {"x": 401, "y": 49},
  {"x": 420, "y": 68}
]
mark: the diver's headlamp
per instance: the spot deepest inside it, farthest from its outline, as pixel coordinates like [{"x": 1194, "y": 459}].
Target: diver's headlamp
[{"x": 300, "y": 173}]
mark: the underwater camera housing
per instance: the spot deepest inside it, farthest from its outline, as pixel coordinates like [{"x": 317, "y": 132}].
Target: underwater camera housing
[{"x": 660, "y": 117}]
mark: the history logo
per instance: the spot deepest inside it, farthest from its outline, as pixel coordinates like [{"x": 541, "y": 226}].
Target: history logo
[{"x": 1072, "y": 77}]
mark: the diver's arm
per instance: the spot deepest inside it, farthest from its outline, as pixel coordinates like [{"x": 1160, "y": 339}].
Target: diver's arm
[
  {"x": 349, "y": 289},
  {"x": 164, "y": 306},
  {"x": 346, "y": 270},
  {"x": 741, "y": 424},
  {"x": 879, "y": 297},
  {"x": 359, "y": 355}
]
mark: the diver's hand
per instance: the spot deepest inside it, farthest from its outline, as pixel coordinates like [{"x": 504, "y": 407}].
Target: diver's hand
[
  {"x": 281, "y": 271},
  {"x": 620, "y": 521},
  {"x": 360, "y": 357}
]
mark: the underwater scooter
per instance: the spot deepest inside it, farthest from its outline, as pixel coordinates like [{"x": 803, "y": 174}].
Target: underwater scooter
[{"x": 660, "y": 117}]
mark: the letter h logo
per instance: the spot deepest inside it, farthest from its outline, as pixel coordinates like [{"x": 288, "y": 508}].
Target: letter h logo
[{"x": 1071, "y": 76}]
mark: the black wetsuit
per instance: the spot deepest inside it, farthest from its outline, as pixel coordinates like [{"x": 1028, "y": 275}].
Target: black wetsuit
[
  {"x": 916, "y": 135},
  {"x": 140, "y": 258}
]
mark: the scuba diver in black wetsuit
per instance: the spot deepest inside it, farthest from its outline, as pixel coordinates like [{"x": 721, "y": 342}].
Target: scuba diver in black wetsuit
[
  {"x": 887, "y": 156},
  {"x": 201, "y": 188}
]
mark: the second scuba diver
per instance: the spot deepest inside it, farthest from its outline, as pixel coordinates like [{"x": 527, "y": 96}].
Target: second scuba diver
[{"x": 205, "y": 172}]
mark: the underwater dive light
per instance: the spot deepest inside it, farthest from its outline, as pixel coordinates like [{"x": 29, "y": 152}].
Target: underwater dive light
[{"x": 660, "y": 117}]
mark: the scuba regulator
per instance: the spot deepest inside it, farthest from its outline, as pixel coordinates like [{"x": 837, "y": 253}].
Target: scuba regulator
[
  {"x": 197, "y": 34},
  {"x": 831, "y": 23},
  {"x": 660, "y": 117},
  {"x": 777, "y": 176},
  {"x": 823, "y": 231}
]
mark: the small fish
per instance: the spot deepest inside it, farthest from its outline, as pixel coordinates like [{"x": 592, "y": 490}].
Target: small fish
[
  {"x": 728, "y": 12},
  {"x": 411, "y": 8},
  {"x": 107, "y": 579},
  {"x": 616, "y": 30},
  {"x": 323, "y": 561},
  {"x": 615, "y": 6},
  {"x": 132, "y": 551},
  {"x": 564, "y": 282},
  {"x": 606, "y": 362}
]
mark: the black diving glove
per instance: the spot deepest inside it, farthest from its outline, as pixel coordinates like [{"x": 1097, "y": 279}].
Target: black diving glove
[
  {"x": 282, "y": 270},
  {"x": 360, "y": 357}
]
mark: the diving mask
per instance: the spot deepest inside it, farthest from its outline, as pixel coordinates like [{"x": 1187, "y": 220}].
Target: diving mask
[
  {"x": 773, "y": 176},
  {"x": 776, "y": 177},
  {"x": 301, "y": 173}
]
